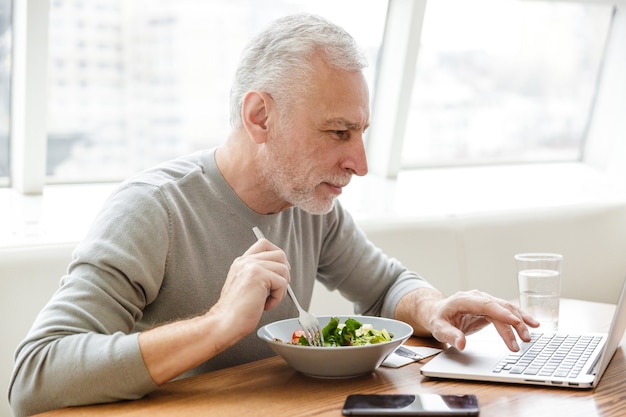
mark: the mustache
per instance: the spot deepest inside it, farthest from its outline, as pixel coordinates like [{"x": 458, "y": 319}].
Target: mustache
[{"x": 339, "y": 180}]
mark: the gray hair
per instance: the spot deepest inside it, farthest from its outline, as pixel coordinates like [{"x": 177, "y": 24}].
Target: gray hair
[{"x": 278, "y": 60}]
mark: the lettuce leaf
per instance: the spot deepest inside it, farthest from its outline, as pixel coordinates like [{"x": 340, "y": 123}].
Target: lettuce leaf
[{"x": 352, "y": 333}]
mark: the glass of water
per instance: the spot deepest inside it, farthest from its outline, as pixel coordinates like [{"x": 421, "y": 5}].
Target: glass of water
[{"x": 539, "y": 280}]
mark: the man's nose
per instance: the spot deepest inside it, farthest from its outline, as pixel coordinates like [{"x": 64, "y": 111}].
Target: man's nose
[{"x": 356, "y": 159}]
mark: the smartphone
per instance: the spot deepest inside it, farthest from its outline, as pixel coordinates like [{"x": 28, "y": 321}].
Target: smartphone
[{"x": 410, "y": 405}]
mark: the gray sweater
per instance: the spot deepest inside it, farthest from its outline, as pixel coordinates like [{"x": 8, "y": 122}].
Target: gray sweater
[{"x": 160, "y": 250}]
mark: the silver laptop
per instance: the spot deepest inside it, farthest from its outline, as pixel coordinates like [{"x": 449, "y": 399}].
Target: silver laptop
[{"x": 551, "y": 359}]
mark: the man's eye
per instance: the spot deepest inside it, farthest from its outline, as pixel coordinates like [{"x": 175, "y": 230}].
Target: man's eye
[{"x": 342, "y": 134}]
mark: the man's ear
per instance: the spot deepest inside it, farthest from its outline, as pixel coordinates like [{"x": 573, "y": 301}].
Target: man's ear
[{"x": 255, "y": 108}]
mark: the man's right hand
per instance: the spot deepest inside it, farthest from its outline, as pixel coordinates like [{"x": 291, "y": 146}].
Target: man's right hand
[{"x": 257, "y": 281}]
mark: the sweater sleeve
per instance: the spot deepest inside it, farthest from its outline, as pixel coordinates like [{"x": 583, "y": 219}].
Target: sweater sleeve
[{"x": 83, "y": 347}]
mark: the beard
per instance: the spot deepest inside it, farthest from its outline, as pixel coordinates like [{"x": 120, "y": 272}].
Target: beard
[
  {"x": 311, "y": 198},
  {"x": 297, "y": 182}
]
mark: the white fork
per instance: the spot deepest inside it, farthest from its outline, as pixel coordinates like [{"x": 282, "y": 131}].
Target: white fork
[{"x": 310, "y": 324}]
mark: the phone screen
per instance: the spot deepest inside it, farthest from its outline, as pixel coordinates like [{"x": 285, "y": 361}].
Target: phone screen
[{"x": 410, "y": 405}]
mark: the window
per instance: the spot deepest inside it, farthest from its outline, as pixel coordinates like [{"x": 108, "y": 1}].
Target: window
[
  {"x": 136, "y": 82},
  {"x": 501, "y": 81},
  {"x": 5, "y": 89}
]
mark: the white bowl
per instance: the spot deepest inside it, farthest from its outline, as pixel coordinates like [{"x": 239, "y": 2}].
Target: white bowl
[{"x": 336, "y": 361}]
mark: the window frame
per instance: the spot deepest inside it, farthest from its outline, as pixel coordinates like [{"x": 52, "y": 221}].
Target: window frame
[
  {"x": 391, "y": 92},
  {"x": 394, "y": 84},
  {"x": 28, "y": 98}
]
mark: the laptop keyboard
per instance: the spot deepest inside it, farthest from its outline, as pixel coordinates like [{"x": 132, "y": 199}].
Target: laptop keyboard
[{"x": 550, "y": 355}]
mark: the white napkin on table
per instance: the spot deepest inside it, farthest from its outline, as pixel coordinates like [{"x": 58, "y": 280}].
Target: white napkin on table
[{"x": 395, "y": 361}]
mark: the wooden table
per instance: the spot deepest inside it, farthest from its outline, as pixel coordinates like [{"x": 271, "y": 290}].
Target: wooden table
[{"x": 270, "y": 388}]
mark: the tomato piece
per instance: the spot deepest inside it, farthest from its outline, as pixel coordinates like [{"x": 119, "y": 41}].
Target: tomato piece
[{"x": 295, "y": 337}]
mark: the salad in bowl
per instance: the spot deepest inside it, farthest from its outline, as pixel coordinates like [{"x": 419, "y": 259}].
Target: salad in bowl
[{"x": 353, "y": 345}]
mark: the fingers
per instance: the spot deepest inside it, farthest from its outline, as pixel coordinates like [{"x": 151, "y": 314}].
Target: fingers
[
  {"x": 272, "y": 264},
  {"x": 277, "y": 291},
  {"x": 274, "y": 257},
  {"x": 268, "y": 264},
  {"x": 445, "y": 332},
  {"x": 467, "y": 312},
  {"x": 506, "y": 333}
]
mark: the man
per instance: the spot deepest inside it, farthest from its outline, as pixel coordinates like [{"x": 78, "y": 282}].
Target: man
[{"x": 170, "y": 280}]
